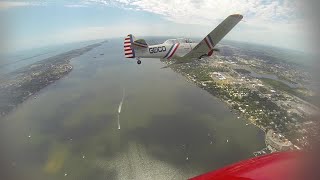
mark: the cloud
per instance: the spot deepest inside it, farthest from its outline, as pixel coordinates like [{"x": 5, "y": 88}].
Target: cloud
[
  {"x": 206, "y": 11},
  {"x": 75, "y": 6},
  {"x": 14, "y": 4},
  {"x": 273, "y": 22},
  {"x": 191, "y": 11},
  {"x": 9, "y": 4},
  {"x": 280, "y": 19}
]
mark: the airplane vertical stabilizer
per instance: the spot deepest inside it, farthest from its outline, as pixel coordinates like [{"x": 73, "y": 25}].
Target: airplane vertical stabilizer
[{"x": 128, "y": 50}]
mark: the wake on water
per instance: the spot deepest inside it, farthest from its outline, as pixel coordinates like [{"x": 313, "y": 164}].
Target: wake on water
[
  {"x": 119, "y": 108},
  {"x": 119, "y": 121}
]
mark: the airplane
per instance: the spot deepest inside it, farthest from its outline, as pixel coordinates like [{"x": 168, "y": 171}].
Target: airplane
[{"x": 182, "y": 49}]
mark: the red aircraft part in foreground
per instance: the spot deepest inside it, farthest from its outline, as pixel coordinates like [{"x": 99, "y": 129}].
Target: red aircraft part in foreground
[{"x": 276, "y": 166}]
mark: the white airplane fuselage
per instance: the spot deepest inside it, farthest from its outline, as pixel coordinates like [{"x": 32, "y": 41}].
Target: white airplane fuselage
[{"x": 165, "y": 50}]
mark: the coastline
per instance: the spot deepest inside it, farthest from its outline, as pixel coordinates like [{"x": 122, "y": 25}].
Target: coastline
[
  {"x": 256, "y": 108},
  {"x": 18, "y": 86},
  {"x": 234, "y": 111}
]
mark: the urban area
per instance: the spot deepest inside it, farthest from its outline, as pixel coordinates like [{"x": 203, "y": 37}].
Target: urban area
[{"x": 269, "y": 93}]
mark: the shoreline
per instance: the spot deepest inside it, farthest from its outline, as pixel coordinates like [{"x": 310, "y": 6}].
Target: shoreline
[
  {"x": 256, "y": 108},
  {"x": 18, "y": 86},
  {"x": 231, "y": 109},
  {"x": 228, "y": 105}
]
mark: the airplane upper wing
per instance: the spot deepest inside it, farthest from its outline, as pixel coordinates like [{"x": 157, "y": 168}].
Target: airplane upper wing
[{"x": 215, "y": 36}]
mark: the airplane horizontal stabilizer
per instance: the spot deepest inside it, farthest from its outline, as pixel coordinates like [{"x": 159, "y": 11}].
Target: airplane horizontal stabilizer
[{"x": 140, "y": 43}]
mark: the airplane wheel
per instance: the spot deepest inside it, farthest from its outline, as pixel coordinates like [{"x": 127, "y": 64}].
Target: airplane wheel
[{"x": 138, "y": 62}]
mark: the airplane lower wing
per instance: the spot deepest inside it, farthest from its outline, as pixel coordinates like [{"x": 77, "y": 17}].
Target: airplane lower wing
[
  {"x": 206, "y": 46},
  {"x": 275, "y": 166}
]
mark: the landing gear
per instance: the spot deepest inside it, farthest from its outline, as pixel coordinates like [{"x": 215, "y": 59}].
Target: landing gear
[{"x": 138, "y": 61}]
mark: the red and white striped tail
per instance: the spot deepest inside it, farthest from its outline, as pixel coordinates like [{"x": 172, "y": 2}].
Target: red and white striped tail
[{"x": 128, "y": 51}]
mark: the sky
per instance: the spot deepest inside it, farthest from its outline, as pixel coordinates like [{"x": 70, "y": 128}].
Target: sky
[{"x": 32, "y": 24}]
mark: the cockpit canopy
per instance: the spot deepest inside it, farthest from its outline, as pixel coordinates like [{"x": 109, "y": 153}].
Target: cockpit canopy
[{"x": 178, "y": 40}]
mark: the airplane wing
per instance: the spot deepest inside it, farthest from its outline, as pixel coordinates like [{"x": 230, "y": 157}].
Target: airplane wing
[
  {"x": 206, "y": 46},
  {"x": 283, "y": 165}
]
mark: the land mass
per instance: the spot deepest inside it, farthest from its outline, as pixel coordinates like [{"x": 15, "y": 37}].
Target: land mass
[
  {"x": 269, "y": 93},
  {"x": 19, "y": 85}
]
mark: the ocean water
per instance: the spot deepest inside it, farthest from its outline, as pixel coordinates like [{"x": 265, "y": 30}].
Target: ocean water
[{"x": 170, "y": 128}]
